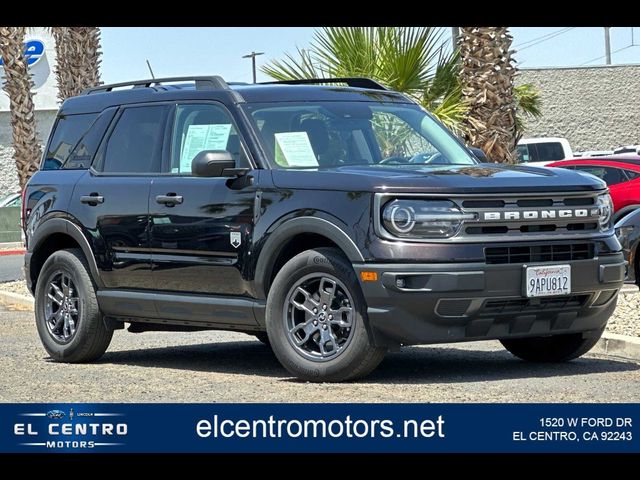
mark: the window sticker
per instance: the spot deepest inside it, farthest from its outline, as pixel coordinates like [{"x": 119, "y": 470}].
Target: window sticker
[
  {"x": 203, "y": 137},
  {"x": 293, "y": 149}
]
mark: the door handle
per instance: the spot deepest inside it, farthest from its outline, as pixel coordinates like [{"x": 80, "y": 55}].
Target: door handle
[
  {"x": 92, "y": 199},
  {"x": 170, "y": 199}
]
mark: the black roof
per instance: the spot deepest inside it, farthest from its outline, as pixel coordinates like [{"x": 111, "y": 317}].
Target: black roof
[{"x": 214, "y": 88}]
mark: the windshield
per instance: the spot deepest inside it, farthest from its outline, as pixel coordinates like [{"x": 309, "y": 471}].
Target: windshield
[{"x": 333, "y": 134}]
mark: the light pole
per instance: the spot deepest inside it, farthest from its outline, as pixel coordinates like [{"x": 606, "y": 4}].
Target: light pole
[
  {"x": 253, "y": 56},
  {"x": 607, "y": 46}
]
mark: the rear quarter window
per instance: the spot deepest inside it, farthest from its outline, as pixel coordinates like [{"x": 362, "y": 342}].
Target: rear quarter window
[{"x": 67, "y": 131}]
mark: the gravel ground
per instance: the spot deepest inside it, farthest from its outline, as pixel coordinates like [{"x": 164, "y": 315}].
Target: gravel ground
[
  {"x": 16, "y": 287},
  {"x": 626, "y": 318},
  {"x": 232, "y": 367}
]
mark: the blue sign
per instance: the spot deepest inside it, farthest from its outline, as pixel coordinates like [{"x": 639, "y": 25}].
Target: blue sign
[
  {"x": 330, "y": 428},
  {"x": 33, "y": 52}
]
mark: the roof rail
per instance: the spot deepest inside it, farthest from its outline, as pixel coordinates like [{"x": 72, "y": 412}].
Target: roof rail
[
  {"x": 358, "y": 82},
  {"x": 202, "y": 83}
]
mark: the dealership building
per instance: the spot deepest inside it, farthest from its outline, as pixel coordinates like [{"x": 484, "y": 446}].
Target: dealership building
[{"x": 41, "y": 55}]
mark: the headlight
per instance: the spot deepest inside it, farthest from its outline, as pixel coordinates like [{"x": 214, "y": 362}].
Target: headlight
[
  {"x": 623, "y": 235},
  {"x": 605, "y": 206},
  {"x": 423, "y": 218}
]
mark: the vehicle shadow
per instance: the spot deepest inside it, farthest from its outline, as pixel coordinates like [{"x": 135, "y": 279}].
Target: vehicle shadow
[
  {"x": 460, "y": 365},
  {"x": 410, "y": 365}
]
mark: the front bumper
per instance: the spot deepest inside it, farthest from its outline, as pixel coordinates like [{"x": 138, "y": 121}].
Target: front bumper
[{"x": 455, "y": 302}]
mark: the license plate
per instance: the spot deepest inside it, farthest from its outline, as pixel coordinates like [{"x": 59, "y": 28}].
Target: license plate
[{"x": 548, "y": 280}]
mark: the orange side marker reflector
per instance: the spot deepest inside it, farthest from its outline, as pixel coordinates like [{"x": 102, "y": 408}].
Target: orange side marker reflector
[{"x": 369, "y": 276}]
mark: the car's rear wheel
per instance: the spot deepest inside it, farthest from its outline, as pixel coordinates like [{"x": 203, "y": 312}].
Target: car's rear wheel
[
  {"x": 556, "y": 348},
  {"x": 68, "y": 318},
  {"x": 316, "y": 319}
]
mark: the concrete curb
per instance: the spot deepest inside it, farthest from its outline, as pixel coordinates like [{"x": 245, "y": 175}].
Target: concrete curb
[
  {"x": 610, "y": 344},
  {"x": 615, "y": 345},
  {"x": 11, "y": 245},
  {"x": 16, "y": 299}
]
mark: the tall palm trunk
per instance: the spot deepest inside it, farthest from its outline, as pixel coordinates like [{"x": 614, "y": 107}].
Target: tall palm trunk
[
  {"x": 78, "y": 59},
  {"x": 487, "y": 77},
  {"x": 18, "y": 85}
]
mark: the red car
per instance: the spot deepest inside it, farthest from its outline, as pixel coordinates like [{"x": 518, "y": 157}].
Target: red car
[{"x": 620, "y": 172}]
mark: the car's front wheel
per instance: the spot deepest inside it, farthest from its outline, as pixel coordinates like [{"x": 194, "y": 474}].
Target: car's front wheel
[
  {"x": 557, "y": 348},
  {"x": 68, "y": 319},
  {"x": 316, "y": 319}
]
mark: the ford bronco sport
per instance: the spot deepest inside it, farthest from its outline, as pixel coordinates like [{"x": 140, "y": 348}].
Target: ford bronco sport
[{"x": 332, "y": 219}]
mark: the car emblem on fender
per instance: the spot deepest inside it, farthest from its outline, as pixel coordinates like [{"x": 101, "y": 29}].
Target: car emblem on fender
[{"x": 236, "y": 239}]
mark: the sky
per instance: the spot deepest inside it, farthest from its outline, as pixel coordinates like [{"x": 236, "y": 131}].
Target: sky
[{"x": 185, "y": 51}]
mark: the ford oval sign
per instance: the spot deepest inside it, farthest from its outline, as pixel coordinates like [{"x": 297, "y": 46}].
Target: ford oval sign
[{"x": 33, "y": 51}]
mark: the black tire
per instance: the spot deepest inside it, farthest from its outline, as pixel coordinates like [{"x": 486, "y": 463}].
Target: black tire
[
  {"x": 263, "y": 338},
  {"x": 92, "y": 337},
  {"x": 557, "y": 348},
  {"x": 358, "y": 357}
]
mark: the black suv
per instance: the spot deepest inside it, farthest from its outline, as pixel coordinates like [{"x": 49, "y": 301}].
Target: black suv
[{"x": 332, "y": 219}]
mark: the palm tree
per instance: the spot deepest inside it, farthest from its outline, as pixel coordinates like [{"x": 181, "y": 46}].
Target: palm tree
[
  {"x": 78, "y": 59},
  {"x": 408, "y": 59},
  {"x": 18, "y": 85},
  {"x": 412, "y": 60},
  {"x": 487, "y": 75}
]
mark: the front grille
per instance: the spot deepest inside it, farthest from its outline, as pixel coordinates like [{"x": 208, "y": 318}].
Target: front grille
[
  {"x": 539, "y": 253},
  {"x": 532, "y": 305},
  {"x": 530, "y": 216}
]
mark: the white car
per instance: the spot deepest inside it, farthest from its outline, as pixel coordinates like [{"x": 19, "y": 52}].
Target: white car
[
  {"x": 542, "y": 150},
  {"x": 11, "y": 200}
]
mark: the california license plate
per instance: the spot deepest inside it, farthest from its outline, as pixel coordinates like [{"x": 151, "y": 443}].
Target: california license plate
[{"x": 548, "y": 280}]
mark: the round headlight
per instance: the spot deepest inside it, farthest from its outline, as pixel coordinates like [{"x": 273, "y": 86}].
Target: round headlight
[
  {"x": 605, "y": 205},
  {"x": 402, "y": 218}
]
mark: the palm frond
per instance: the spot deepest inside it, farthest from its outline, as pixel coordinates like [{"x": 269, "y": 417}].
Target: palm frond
[{"x": 528, "y": 98}]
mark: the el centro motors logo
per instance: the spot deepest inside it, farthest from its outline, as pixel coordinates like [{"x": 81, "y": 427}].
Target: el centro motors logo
[{"x": 61, "y": 429}]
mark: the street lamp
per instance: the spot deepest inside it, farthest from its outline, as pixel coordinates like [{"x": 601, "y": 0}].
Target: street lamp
[{"x": 253, "y": 56}]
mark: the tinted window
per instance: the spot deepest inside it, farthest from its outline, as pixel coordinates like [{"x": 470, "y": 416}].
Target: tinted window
[
  {"x": 68, "y": 130},
  {"x": 631, "y": 175},
  {"x": 82, "y": 154},
  {"x": 523, "y": 153},
  {"x": 540, "y": 152},
  {"x": 135, "y": 143},
  {"x": 203, "y": 127},
  {"x": 610, "y": 175}
]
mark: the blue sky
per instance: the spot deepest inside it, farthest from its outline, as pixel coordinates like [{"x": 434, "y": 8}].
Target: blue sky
[{"x": 183, "y": 51}]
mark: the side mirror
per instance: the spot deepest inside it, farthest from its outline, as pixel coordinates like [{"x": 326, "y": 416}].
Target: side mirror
[
  {"x": 479, "y": 154},
  {"x": 212, "y": 163}
]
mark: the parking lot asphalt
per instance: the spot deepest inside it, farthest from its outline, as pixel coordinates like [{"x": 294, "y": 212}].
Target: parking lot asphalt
[
  {"x": 232, "y": 367},
  {"x": 11, "y": 268}
]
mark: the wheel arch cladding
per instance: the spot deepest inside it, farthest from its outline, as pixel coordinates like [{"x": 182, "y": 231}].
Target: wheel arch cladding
[
  {"x": 295, "y": 236},
  {"x": 58, "y": 234}
]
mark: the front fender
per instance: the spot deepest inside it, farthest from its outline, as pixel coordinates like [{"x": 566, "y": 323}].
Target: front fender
[{"x": 290, "y": 228}]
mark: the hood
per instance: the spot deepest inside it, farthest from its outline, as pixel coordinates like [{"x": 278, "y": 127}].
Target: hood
[{"x": 479, "y": 178}]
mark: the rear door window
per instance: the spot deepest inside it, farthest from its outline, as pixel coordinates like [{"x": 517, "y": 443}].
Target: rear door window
[
  {"x": 135, "y": 144},
  {"x": 540, "y": 152},
  {"x": 549, "y": 151}
]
